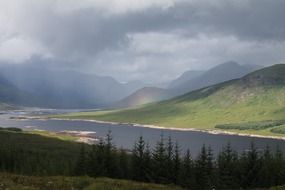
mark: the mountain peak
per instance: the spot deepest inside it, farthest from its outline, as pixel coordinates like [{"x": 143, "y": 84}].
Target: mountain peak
[
  {"x": 229, "y": 65},
  {"x": 273, "y": 75},
  {"x": 185, "y": 77}
]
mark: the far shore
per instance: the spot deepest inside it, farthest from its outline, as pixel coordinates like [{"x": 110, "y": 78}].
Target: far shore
[{"x": 209, "y": 131}]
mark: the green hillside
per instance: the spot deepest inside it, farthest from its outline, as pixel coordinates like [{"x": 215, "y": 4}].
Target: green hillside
[{"x": 257, "y": 97}]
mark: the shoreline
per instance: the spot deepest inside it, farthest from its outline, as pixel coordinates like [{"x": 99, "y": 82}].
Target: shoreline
[
  {"x": 209, "y": 131},
  {"x": 80, "y": 136}
]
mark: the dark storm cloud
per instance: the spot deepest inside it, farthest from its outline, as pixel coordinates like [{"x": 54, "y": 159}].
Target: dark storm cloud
[
  {"x": 87, "y": 31},
  {"x": 252, "y": 19},
  {"x": 142, "y": 37}
]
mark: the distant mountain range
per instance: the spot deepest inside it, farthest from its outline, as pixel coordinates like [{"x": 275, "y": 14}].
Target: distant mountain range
[
  {"x": 256, "y": 97},
  {"x": 35, "y": 85},
  {"x": 41, "y": 87},
  {"x": 10, "y": 95},
  {"x": 223, "y": 72},
  {"x": 185, "y": 78},
  {"x": 189, "y": 81}
]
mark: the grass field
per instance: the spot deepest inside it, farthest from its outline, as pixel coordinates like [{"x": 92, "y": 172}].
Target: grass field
[
  {"x": 279, "y": 130},
  {"x": 259, "y": 125},
  {"x": 18, "y": 182},
  {"x": 205, "y": 109},
  {"x": 50, "y": 134}
]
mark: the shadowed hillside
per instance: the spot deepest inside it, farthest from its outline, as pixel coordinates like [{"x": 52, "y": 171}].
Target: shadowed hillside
[{"x": 187, "y": 82}]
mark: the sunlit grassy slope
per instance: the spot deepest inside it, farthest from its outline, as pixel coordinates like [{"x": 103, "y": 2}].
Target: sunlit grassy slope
[
  {"x": 259, "y": 96},
  {"x": 53, "y": 135},
  {"x": 17, "y": 182}
]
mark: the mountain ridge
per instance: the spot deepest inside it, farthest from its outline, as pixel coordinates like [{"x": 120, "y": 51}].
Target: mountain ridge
[
  {"x": 186, "y": 83},
  {"x": 234, "y": 101},
  {"x": 220, "y": 73},
  {"x": 267, "y": 76},
  {"x": 64, "y": 89}
]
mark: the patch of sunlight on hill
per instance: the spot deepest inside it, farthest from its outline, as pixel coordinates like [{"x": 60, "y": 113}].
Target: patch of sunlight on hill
[{"x": 230, "y": 104}]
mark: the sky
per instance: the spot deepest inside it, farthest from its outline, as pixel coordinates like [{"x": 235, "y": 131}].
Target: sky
[{"x": 149, "y": 40}]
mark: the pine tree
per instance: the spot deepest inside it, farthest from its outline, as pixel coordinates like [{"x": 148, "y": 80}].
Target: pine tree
[
  {"x": 252, "y": 168},
  {"x": 91, "y": 162},
  {"x": 80, "y": 169},
  {"x": 110, "y": 156},
  {"x": 227, "y": 165},
  {"x": 278, "y": 167},
  {"x": 160, "y": 162},
  {"x": 170, "y": 163},
  {"x": 123, "y": 164},
  {"x": 138, "y": 160},
  {"x": 148, "y": 164},
  {"x": 211, "y": 169},
  {"x": 266, "y": 175},
  {"x": 96, "y": 160},
  {"x": 187, "y": 177},
  {"x": 202, "y": 170},
  {"x": 176, "y": 164},
  {"x": 1, "y": 160}
]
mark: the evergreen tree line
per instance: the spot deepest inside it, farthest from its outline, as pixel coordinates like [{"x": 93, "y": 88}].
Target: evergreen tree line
[
  {"x": 29, "y": 154},
  {"x": 166, "y": 164}
]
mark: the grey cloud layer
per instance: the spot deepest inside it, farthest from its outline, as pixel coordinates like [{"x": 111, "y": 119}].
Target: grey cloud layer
[{"x": 155, "y": 40}]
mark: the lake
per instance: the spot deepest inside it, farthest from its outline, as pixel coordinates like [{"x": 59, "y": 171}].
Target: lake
[{"x": 125, "y": 135}]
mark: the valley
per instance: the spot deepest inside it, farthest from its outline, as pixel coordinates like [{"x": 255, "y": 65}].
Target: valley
[
  {"x": 142, "y": 95},
  {"x": 257, "y": 97}
]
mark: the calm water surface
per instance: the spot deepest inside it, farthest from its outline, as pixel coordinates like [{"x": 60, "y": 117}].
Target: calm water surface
[{"x": 125, "y": 135}]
